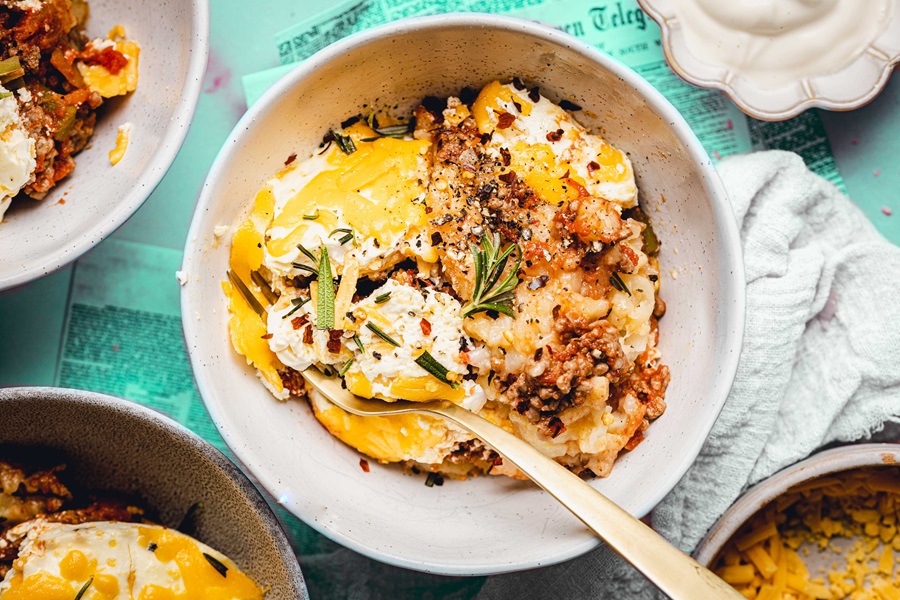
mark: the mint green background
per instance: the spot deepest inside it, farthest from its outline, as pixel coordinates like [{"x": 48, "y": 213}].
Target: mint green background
[{"x": 135, "y": 267}]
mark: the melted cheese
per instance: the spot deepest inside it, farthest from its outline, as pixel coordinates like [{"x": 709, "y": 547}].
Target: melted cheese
[
  {"x": 121, "y": 561},
  {"x": 100, "y": 80},
  {"x": 551, "y": 151},
  {"x": 375, "y": 190}
]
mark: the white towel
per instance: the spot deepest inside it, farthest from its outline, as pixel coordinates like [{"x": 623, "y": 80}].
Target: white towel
[{"x": 820, "y": 364}]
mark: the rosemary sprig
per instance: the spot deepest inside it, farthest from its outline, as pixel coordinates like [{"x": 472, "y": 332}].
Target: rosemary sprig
[
  {"x": 346, "y": 367},
  {"x": 380, "y": 333},
  {"x": 382, "y": 298},
  {"x": 216, "y": 564},
  {"x": 84, "y": 588},
  {"x": 490, "y": 293},
  {"x": 325, "y": 304},
  {"x": 617, "y": 283},
  {"x": 297, "y": 302},
  {"x": 439, "y": 371},
  {"x": 312, "y": 258},
  {"x": 359, "y": 343},
  {"x": 344, "y": 142}
]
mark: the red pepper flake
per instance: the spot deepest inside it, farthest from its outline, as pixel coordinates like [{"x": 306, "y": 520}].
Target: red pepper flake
[
  {"x": 517, "y": 83},
  {"x": 268, "y": 336},
  {"x": 308, "y": 335},
  {"x": 534, "y": 94},
  {"x": 582, "y": 191},
  {"x": 298, "y": 322},
  {"x": 426, "y": 326},
  {"x": 592, "y": 166},
  {"x": 555, "y": 136},
  {"x": 334, "y": 340},
  {"x": 364, "y": 465},
  {"x": 556, "y": 426},
  {"x": 290, "y": 159},
  {"x": 109, "y": 58},
  {"x": 518, "y": 107},
  {"x": 509, "y": 177},
  {"x": 505, "y": 157},
  {"x": 505, "y": 120},
  {"x": 565, "y": 175}
]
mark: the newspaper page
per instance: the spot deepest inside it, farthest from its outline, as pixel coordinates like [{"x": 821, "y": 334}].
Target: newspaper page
[{"x": 618, "y": 27}]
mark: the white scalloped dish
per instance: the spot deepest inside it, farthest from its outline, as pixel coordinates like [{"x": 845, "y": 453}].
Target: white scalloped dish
[{"x": 778, "y": 58}]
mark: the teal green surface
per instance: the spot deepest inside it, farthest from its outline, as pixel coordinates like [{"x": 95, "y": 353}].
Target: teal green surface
[{"x": 50, "y": 328}]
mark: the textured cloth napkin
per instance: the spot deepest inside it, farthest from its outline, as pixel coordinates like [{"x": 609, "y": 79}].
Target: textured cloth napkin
[{"x": 820, "y": 364}]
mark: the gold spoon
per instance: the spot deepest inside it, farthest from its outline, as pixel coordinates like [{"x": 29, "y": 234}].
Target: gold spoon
[{"x": 676, "y": 574}]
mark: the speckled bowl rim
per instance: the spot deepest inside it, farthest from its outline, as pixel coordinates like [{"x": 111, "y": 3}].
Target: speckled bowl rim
[
  {"x": 733, "y": 295},
  {"x": 89, "y": 399},
  {"x": 782, "y": 112},
  {"x": 831, "y": 461},
  {"x": 168, "y": 148}
]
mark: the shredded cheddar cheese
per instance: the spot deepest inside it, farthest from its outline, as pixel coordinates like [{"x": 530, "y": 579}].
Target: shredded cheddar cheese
[{"x": 765, "y": 560}]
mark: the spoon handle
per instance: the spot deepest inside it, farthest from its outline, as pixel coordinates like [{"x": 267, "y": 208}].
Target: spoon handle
[{"x": 676, "y": 574}]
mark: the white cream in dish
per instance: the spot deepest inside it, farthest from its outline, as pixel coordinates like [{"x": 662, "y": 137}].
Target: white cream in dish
[
  {"x": 17, "y": 151},
  {"x": 778, "y": 42},
  {"x": 114, "y": 560}
]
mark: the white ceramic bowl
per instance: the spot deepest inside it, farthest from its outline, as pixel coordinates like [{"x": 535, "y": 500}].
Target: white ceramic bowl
[
  {"x": 851, "y": 86},
  {"x": 37, "y": 238},
  {"x": 832, "y": 461},
  {"x": 489, "y": 524}
]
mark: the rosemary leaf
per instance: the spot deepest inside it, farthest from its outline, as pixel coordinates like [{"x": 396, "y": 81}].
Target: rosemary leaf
[
  {"x": 439, "y": 371},
  {"x": 359, "y": 343},
  {"x": 380, "y": 333},
  {"x": 216, "y": 564},
  {"x": 325, "y": 304},
  {"x": 84, "y": 588},
  {"x": 297, "y": 302},
  {"x": 617, "y": 283},
  {"x": 346, "y": 367},
  {"x": 344, "y": 142},
  {"x": 382, "y": 298}
]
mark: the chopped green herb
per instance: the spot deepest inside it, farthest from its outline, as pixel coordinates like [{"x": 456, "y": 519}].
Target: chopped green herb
[
  {"x": 346, "y": 239},
  {"x": 395, "y": 131},
  {"x": 617, "y": 283},
  {"x": 344, "y": 142},
  {"x": 490, "y": 263},
  {"x": 216, "y": 564},
  {"x": 312, "y": 257},
  {"x": 297, "y": 302},
  {"x": 380, "y": 333},
  {"x": 306, "y": 268},
  {"x": 84, "y": 588},
  {"x": 5, "y": 95},
  {"x": 10, "y": 69},
  {"x": 359, "y": 343},
  {"x": 312, "y": 217},
  {"x": 382, "y": 298},
  {"x": 325, "y": 305},
  {"x": 346, "y": 367},
  {"x": 439, "y": 371}
]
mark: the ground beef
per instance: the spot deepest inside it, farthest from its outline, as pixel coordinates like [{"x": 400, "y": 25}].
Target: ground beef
[{"x": 59, "y": 114}]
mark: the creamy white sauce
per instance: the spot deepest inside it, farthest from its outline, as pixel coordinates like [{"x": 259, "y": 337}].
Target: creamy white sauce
[
  {"x": 17, "y": 152},
  {"x": 778, "y": 42}
]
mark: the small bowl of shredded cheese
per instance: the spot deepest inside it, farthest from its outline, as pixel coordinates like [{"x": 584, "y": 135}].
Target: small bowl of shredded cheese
[{"x": 826, "y": 528}]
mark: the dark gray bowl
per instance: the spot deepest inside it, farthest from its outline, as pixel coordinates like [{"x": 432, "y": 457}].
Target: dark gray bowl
[{"x": 111, "y": 444}]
